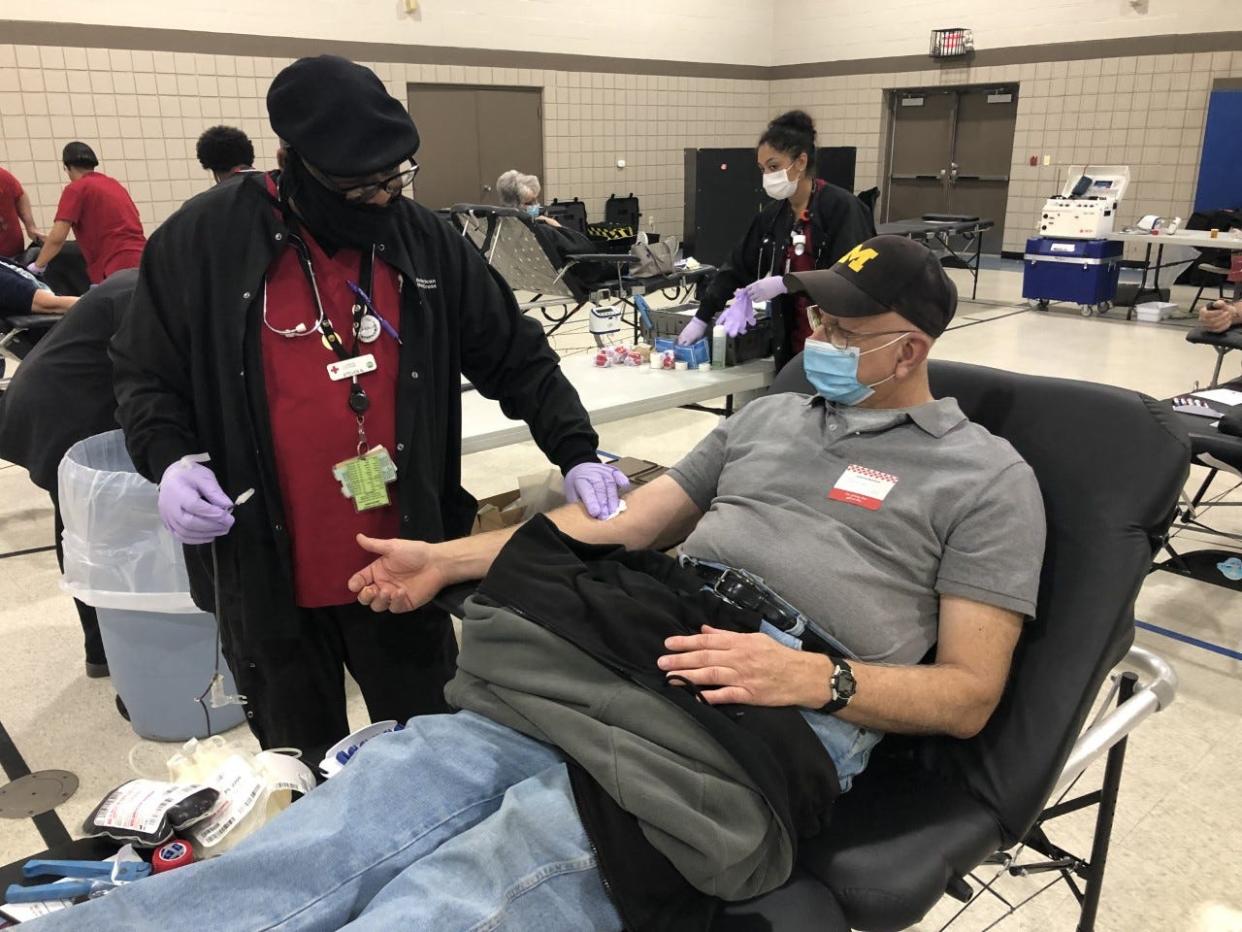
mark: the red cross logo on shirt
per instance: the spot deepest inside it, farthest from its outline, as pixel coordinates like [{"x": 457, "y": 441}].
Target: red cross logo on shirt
[{"x": 334, "y": 369}]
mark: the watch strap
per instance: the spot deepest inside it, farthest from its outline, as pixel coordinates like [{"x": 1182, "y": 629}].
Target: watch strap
[{"x": 838, "y": 701}]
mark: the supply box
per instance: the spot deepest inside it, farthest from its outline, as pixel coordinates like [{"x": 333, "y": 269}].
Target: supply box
[
  {"x": 1083, "y": 272},
  {"x": 1086, "y": 208},
  {"x": 755, "y": 343}
]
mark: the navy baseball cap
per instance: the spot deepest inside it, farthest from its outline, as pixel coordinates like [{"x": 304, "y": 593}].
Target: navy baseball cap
[{"x": 886, "y": 273}]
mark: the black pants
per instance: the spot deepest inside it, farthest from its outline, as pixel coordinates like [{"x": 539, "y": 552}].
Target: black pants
[
  {"x": 295, "y": 687},
  {"x": 86, "y": 614}
]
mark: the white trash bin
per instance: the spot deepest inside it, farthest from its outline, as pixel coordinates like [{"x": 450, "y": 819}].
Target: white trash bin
[{"x": 121, "y": 559}]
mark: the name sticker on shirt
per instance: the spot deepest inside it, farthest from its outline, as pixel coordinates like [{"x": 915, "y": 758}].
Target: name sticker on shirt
[
  {"x": 866, "y": 488},
  {"x": 348, "y": 368}
]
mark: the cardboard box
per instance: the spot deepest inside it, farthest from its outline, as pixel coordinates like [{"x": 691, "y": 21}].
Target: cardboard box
[{"x": 505, "y": 510}]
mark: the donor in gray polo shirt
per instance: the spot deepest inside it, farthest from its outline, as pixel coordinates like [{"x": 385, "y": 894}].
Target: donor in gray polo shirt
[{"x": 878, "y": 511}]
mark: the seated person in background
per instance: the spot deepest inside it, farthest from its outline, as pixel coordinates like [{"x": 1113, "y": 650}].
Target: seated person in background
[
  {"x": 62, "y": 393},
  {"x": 225, "y": 151},
  {"x": 1219, "y": 316},
  {"x": 880, "y": 511},
  {"x": 22, "y": 293},
  {"x": 521, "y": 192}
]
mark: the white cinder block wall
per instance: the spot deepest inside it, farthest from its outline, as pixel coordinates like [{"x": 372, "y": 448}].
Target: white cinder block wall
[{"x": 143, "y": 109}]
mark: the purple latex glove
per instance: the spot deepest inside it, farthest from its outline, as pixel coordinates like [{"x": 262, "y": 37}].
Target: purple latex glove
[
  {"x": 35, "y": 269},
  {"x": 766, "y": 288},
  {"x": 192, "y": 505},
  {"x": 692, "y": 332},
  {"x": 598, "y": 486},
  {"x": 739, "y": 316}
]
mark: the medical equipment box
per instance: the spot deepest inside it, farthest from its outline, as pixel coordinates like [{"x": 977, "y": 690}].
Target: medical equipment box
[
  {"x": 755, "y": 343},
  {"x": 620, "y": 227},
  {"x": 1082, "y": 271},
  {"x": 1086, "y": 208}
]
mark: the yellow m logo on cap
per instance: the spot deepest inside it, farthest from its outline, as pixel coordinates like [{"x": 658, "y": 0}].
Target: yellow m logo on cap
[{"x": 857, "y": 257}]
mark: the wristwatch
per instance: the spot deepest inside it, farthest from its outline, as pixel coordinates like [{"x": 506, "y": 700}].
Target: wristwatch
[{"x": 842, "y": 684}]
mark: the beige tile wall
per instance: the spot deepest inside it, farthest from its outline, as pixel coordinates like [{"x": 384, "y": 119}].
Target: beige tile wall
[
  {"x": 143, "y": 111},
  {"x": 1148, "y": 113}
]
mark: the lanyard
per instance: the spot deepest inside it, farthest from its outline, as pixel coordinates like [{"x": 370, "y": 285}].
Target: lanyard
[{"x": 358, "y": 401}]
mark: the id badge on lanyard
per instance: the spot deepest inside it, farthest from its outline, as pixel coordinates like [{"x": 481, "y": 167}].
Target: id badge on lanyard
[{"x": 365, "y": 477}]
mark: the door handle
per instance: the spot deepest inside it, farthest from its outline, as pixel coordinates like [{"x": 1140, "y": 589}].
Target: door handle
[{"x": 487, "y": 189}]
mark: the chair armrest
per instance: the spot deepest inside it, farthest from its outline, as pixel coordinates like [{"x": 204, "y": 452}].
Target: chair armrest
[
  {"x": 30, "y": 321},
  {"x": 611, "y": 258},
  {"x": 487, "y": 210},
  {"x": 1155, "y": 691},
  {"x": 1230, "y": 339}
]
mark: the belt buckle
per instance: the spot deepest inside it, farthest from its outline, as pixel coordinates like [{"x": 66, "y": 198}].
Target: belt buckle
[{"x": 733, "y": 583}]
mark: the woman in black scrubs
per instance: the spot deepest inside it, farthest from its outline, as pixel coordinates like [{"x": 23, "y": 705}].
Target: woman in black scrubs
[{"x": 810, "y": 224}]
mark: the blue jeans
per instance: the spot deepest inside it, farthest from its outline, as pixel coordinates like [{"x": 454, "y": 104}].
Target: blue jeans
[{"x": 455, "y": 823}]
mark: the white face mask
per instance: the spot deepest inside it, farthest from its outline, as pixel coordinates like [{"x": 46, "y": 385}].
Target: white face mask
[{"x": 778, "y": 184}]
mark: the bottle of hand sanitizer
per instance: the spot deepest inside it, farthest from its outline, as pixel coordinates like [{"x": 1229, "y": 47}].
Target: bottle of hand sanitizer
[{"x": 720, "y": 341}]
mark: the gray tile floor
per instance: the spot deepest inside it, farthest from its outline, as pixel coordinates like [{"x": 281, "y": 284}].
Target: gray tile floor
[{"x": 1177, "y": 853}]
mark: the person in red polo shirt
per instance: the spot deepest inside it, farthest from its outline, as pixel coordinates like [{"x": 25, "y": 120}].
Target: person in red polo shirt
[
  {"x": 101, "y": 214},
  {"x": 14, "y": 214}
]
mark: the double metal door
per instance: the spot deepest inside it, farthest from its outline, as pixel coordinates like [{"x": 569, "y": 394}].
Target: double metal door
[
  {"x": 950, "y": 151},
  {"x": 470, "y": 135}
]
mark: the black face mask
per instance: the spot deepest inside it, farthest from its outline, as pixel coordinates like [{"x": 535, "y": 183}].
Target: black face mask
[{"x": 333, "y": 221}]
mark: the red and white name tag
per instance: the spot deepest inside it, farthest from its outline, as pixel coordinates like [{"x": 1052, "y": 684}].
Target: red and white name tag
[{"x": 864, "y": 487}]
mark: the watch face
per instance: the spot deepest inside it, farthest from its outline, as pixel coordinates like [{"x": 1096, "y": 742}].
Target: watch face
[{"x": 846, "y": 684}]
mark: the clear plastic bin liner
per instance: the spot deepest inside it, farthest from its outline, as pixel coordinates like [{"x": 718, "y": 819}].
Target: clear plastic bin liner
[{"x": 118, "y": 554}]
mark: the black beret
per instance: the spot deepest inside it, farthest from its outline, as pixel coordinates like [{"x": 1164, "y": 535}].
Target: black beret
[{"x": 339, "y": 117}]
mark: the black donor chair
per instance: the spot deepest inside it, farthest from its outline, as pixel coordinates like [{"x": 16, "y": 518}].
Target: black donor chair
[{"x": 929, "y": 811}]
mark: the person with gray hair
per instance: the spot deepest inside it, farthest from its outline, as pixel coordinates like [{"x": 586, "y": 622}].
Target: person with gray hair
[{"x": 521, "y": 192}]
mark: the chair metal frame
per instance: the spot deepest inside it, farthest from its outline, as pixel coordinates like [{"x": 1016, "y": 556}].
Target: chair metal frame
[{"x": 1149, "y": 687}]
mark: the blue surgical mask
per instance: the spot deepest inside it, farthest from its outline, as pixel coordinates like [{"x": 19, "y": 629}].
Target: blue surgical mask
[
  {"x": 834, "y": 372},
  {"x": 533, "y": 210}
]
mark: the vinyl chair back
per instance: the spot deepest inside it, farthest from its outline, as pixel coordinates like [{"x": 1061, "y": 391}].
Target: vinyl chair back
[{"x": 1110, "y": 464}]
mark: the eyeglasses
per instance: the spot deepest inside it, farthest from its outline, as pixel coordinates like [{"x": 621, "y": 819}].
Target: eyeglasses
[
  {"x": 836, "y": 336},
  {"x": 361, "y": 193}
]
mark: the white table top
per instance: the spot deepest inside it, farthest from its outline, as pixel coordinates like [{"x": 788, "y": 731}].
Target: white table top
[
  {"x": 1198, "y": 239},
  {"x": 612, "y": 394}
]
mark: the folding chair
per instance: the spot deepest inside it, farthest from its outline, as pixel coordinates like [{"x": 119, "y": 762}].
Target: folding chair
[
  {"x": 1216, "y": 446},
  {"x": 1223, "y": 343},
  {"x": 19, "y": 334},
  {"x": 929, "y": 812},
  {"x": 508, "y": 241}
]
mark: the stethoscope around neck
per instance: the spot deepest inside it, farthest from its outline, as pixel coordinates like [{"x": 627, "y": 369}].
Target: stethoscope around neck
[{"x": 308, "y": 271}]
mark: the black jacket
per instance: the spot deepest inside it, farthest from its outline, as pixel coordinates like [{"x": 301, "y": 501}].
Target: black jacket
[
  {"x": 618, "y": 606},
  {"x": 839, "y": 222},
  {"x": 189, "y": 379},
  {"x": 62, "y": 391}
]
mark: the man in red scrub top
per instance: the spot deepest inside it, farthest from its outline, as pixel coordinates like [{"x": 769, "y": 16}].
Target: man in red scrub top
[
  {"x": 101, "y": 214},
  {"x": 308, "y": 329}
]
